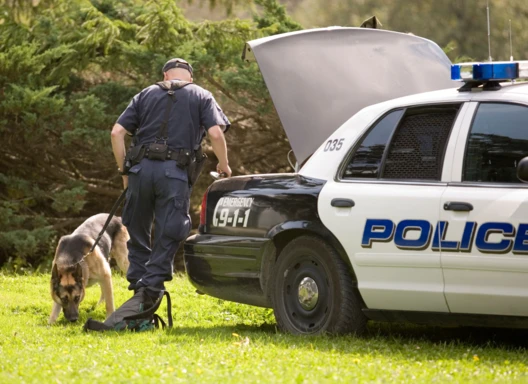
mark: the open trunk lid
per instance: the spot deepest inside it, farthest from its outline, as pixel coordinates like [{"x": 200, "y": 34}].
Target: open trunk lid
[{"x": 319, "y": 78}]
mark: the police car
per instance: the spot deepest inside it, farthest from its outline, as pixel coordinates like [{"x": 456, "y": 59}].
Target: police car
[{"x": 412, "y": 210}]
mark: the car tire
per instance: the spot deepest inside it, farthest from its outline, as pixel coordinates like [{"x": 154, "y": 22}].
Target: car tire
[{"x": 313, "y": 290}]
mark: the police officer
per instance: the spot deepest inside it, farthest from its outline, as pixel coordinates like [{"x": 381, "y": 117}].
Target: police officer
[{"x": 158, "y": 187}]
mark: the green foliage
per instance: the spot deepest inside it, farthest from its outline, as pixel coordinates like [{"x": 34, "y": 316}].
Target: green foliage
[
  {"x": 275, "y": 19},
  {"x": 27, "y": 234},
  {"x": 462, "y": 23},
  {"x": 25, "y": 245},
  {"x": 214, "y": 341},
  {"x": 163, "y": 27},
  {"x": 452, "y": 47},
  {"x": 69, "y": 200},
  {"x": 69, "y": 68}
]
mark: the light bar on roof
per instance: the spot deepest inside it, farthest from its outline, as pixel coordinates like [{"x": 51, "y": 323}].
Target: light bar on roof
[{"x": 494, "y": 71}]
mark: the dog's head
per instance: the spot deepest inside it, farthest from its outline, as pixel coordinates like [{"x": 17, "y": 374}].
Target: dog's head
[
  {"x": 67, "y": 283},
  {"x": 67, "y": 289}
]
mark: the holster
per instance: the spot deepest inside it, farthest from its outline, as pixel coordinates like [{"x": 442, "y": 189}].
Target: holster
[
  {"x": 183, "y": 158},
  {"x": 196, "y": 166},
  {"x": 134, "y": 155}
]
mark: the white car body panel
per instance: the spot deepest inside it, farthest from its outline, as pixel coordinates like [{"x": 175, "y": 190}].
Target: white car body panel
[
  {"x": 482, "y": 283},
  {"x": 459, "y": 128},
  {"x": 393, "y": 279},
  {"x": 388, "y": 278}
]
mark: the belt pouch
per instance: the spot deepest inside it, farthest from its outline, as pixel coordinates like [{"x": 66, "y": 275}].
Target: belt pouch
[{"x": 158, "y": 151}]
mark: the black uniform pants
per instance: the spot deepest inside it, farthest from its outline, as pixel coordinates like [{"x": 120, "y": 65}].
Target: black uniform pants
[{"x": 158, "y": 192}]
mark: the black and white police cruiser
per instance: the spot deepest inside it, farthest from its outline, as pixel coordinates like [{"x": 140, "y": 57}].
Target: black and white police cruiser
[{"x": 413, "y": 208}]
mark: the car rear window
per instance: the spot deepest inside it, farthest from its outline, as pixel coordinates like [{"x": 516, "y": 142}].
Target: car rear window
[
  {"x": 366, "y": 161},
  {"x": 417, "y": 149},
  {"x": 405, "y": 145}
]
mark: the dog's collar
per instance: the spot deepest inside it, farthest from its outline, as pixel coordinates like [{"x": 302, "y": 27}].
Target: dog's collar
[{"x": 80, "y": 261}]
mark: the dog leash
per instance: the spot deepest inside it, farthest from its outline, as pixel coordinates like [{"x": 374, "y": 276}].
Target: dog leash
[{"x": 110, "y": 215}]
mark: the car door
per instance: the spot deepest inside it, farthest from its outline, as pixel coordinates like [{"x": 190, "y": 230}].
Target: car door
[
  {"x": 385, "y": 202},
  {"x": 484, "y": 216}
]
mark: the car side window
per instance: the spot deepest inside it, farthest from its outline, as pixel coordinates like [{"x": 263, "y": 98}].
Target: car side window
[
  {"x": 405, "y": 145},
  {"x": 416, "y": 151},
  {"x": 497, "y": 141},
  {"x": 366, "y": 160}
]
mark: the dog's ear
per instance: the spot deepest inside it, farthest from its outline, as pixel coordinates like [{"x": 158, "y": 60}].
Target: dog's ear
[
  {"x": 86, "y": 240},
  {"x": 55, "y": 281},
  {"x": 54, "y": 272},
  {"x": 77, "y": 273},
  {"x": 78, "y": 270}
]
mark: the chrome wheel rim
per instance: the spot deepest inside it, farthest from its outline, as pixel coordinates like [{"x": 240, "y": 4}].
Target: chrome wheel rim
[{"x": 308, "y": 293}]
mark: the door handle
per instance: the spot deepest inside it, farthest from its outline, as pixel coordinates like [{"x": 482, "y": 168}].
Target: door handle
[
  {"x": 457, "y": 206},
  {"x": 342, "y": 203}
]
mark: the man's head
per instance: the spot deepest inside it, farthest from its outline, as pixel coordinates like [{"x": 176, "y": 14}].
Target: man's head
[{"x": 177, "y": 69}]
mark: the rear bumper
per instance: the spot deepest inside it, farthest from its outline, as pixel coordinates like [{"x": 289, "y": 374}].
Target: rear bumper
[{"x": 227, "y": 267}]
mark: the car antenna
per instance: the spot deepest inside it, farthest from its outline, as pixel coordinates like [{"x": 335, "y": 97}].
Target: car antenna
[
  {"x": 294, "y": 167},
  {"x": 511, "y": 45},
  {"x": 489, "y": 35}
]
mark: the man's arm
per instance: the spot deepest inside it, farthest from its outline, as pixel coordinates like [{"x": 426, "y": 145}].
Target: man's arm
[
  {"x": 118, "y": 147},
  {"x": 219, "y": 145}
]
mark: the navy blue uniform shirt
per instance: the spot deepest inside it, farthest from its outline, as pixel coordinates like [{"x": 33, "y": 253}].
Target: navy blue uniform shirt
[{"x": 194, "y": 112}]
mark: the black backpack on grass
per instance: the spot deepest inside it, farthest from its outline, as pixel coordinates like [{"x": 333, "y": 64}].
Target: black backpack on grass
[{"x": 137, "y": 315}]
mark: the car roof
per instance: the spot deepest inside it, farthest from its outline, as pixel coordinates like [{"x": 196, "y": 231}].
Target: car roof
[
  {"x": 453, "y": 95},
  {"x": 508, "y": 92}
]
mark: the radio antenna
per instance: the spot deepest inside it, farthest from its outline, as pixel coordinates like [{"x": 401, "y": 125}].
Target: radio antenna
[
  {"x": 511, "y": 46},
  {"x": 489, "y": 36}
]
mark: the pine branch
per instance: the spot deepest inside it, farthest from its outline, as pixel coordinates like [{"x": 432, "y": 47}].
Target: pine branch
[{"x": 103, "y": 191}]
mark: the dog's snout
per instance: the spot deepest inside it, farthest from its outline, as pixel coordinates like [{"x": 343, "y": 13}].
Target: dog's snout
[
  {"x": 71, "y": 313},
  {"x": 71, "y": 317}
]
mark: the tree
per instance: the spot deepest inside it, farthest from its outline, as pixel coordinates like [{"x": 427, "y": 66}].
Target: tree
[
  {"x": 461, "y": 25},
  {"x": 68, "y": 68}
]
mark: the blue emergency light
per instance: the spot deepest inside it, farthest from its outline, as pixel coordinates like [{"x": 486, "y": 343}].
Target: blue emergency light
[{"x": 493, "y": 71}]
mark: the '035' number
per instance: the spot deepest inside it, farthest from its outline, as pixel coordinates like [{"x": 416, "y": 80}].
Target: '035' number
[
  {"x": 223, "y": 218},
  {"x": 334, "y": 145}
]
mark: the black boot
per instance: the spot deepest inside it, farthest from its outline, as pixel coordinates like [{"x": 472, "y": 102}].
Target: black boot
[
  {"x": 140, "y": 302},
  {"x": 135, "y": 314}
]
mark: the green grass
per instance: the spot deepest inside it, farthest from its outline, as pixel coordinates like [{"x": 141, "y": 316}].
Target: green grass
[{"x": 216, "y": 341}]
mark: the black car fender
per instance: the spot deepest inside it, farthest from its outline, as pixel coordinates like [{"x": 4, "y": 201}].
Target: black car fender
[
  {"x": 284, "y": 233},
  {"x": 276, "y": 209}
]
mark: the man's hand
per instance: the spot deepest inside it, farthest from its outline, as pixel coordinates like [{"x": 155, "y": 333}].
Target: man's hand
[
  {"x": 125, "y": 181},
  {"x": 223, "y": 168}
]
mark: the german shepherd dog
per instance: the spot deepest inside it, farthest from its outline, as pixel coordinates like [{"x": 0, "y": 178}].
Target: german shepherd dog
[{"x": 75, "y": 267}]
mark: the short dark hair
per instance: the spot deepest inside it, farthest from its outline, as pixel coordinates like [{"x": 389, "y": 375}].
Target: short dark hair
[{"x": 177, "y": 63}]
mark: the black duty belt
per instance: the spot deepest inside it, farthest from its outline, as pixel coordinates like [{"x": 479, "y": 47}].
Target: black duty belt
[
  {"x": 175, "y": 155},
  {"x": 161, "y": 152}
]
